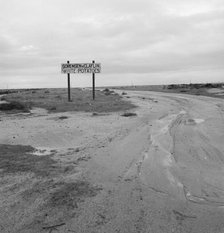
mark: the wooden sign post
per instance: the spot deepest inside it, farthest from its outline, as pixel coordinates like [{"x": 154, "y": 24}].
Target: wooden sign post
[
  {"x": 69, "y": 88},
  {"x": 82, "y": 68},
  {"x": 93, "y": 84}
]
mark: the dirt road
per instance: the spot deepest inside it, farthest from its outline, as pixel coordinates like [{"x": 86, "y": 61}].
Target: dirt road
[{"x": 160, "y": 171}]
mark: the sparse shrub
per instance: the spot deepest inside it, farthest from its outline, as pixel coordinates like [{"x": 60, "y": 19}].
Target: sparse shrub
[
  {"x": 62, "y": 117},
  {"x": 108, "y": 91},
  {"x": 3, "y": 92},
  {"x": 172, "y": 86},
  {"x": 14, "y": 105},
  {"x": 77, "y": 150},
  {"x": 53, "y": 108},
  {"x": 208, "y": 85},
  {"x": 195, "y": 85},
  {"x": 129, "y": 114}
]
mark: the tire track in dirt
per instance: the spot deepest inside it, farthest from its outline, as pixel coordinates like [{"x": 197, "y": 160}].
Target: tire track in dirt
[{"x": 146, "y": 188}]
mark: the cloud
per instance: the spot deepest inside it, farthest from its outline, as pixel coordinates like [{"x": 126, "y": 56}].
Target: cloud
[{"x": 133, "y": 37}]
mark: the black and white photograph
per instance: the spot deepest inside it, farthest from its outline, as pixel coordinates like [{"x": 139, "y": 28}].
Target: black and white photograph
[{"x": 111, "y": 116}]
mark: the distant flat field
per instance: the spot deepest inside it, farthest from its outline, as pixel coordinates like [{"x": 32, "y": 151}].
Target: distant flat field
[
  {"x": 192, "y": 89},
  {"x": 56, "y": 100}
]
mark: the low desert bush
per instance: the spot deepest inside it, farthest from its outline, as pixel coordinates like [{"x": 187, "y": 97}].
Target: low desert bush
[
  {"x": 14, "y": 105},
  {"x": 129, "y": 114}
]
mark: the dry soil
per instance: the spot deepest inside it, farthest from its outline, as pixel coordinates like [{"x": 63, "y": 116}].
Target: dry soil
[{"x": 158, "y": 170}]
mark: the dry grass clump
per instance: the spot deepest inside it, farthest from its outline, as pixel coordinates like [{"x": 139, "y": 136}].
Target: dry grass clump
[
  {"x": 56, "y": 100},
  {"x": 44, "y": 199},
  {"x": 107, "y": 91},
  {"x": 69, "y": 194},
  {"x": 129, "y": 114},
  {"x": 14, "y": 105},
  {"x": 62, "y": 117},
  {"x": 19, "y": 158}
]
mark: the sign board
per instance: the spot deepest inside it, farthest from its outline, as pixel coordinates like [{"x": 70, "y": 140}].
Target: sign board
[{"x": 82, "y": 68}]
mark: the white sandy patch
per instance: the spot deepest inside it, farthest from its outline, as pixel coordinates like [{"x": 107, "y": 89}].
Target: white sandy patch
[
  {"x": 215, "y": 90},
  {"x": 39, "y": 111},
  {"x": 42, "y": 151},
  {"x": 198, "y": 121}
]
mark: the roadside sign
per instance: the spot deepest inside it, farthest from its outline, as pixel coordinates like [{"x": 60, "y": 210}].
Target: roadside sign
[
  {"x": 83, "y": 68},
  {"x": 80, "y": 68}
]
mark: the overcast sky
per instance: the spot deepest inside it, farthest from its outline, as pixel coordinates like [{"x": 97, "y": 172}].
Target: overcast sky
[{"x": 136, "y": 41}]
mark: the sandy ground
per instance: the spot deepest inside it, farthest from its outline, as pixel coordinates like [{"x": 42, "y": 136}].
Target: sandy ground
[
  {"x": 217, "y": 91},
  {"x": 160, "y": 171}
]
